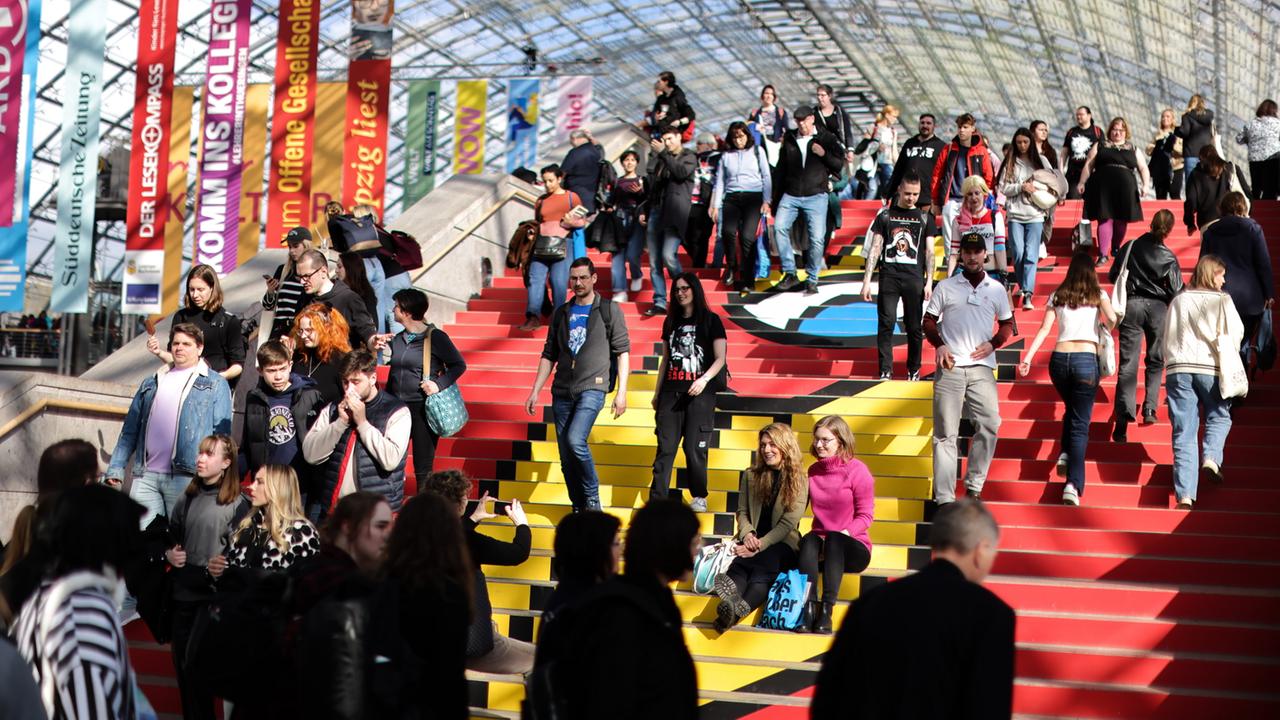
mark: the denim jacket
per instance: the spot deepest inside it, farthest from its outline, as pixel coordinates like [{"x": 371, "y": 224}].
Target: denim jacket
[{"x": 206, "y": 409}]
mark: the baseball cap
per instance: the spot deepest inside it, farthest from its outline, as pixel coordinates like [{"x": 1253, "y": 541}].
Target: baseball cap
[
  {"x": 801, "y": 112},
  {"x": 973, "y": 240},
  {"x": 297, "y": 235}
]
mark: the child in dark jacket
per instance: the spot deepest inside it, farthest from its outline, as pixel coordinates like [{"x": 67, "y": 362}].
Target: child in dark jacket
[{"x": 277, "y": 414}]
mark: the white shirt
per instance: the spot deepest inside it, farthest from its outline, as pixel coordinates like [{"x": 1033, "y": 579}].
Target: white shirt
[
  {"x": 967, "y": 314},
  {"x": 1079, "y": 323},
  {"x": 803, "y": 141}
]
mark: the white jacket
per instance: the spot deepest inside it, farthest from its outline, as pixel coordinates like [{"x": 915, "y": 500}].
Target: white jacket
[
  {"x": 1193, "y": 323},
  {"x": 1018, "y": 205}
]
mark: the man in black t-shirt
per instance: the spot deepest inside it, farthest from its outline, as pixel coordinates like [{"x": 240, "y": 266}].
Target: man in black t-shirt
[
  {"x": 919, "y": 155},
  {"x": 1076, "y": 146},
  {"x": 902, "y": 238}
]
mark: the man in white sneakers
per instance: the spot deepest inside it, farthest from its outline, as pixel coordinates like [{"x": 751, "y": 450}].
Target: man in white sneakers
[{"x": 958, "y": 323}]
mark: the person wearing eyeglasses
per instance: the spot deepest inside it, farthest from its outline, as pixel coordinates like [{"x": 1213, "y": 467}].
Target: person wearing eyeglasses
[
  {"x": 313, "y": 271},
  {"x": 319, "y": 340}
]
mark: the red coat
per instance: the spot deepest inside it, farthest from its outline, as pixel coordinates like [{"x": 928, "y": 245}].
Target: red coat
[{"x": 979, "y": 159}]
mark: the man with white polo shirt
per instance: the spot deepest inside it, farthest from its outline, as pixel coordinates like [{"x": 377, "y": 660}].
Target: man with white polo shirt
[{"x": 958, "y": 323}]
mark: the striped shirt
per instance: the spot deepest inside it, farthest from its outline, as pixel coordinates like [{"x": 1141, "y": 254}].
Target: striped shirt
[
  {"x": 286, "y": 301},
  {"x": 69, "y": 633}
]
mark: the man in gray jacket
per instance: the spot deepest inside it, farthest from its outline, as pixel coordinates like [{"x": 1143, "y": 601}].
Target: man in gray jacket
[{"x": 587, "y": 344}]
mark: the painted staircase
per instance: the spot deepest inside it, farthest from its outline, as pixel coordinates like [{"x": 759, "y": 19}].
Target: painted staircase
[{"x": 1126, "y": 607}]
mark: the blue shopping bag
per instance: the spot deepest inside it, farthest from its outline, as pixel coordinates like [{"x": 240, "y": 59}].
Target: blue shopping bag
[{"x": 785, "y": 606}]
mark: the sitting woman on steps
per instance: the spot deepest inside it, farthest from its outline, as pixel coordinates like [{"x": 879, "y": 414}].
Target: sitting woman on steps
[
  {"x": 772, "y": 497},
  {"x": 843, "y": 494},
  {"x": 1083, "y": 311}
]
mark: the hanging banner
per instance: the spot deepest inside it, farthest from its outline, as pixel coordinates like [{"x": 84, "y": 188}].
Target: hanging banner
[
  {"x": 293, "y": 118},
  {"x": 175, "y": 223},
  {"x": 420, "y": 141},
  {"x": 522, "y": 124},
  {"x": 364, "y": 154},
  {"x": 257, "y": 104},
  {"x": 148, "y": 180},
  {"x": 573, "y": 104},
  {"x": 326, "y": 166},
  {"x": 469, "y": 119},
  {"x": 78, "y": 169},
  {"x": 19, "y": 39},
  {"x": 222, "y": 135}
]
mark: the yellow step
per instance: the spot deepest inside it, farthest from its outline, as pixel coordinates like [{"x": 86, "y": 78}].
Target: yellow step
[{"x": 899, "y": 466}]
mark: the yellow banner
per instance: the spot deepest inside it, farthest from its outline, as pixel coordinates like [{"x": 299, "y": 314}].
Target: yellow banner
[
  {"x": 256, "y": 103},
  {"x": 179, "y": 156},
  {"x": 469, "y": 127}
]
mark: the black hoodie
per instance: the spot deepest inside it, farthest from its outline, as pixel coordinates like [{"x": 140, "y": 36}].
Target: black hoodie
[
  {"x": 676, "y": 106},
  {"x": 1196, "y": 131},
  {"x": 265, "y": 426}
]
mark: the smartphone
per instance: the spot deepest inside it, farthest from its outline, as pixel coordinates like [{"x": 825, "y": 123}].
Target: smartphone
[
  {"x": 266, "y": 277},
  {"x": 500, "y": 508}
]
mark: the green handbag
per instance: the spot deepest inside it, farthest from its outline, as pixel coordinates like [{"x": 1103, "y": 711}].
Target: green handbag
[{"x": 446, "y": 411}]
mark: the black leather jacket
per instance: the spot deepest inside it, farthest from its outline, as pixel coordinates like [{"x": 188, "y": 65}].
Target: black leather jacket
[{"x": 1153, "y": 271}]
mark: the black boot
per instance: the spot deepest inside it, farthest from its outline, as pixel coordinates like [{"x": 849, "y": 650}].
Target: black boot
[
  {"x": 822, "y": 620},
  {"x": 812, "y": 616}
]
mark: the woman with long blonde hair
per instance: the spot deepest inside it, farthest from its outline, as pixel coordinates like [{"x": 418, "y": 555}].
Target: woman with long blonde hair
[
  {"x": 772, "y": 496},
  {"x": 276, "y": 534},
  {"x": 320, "y": 339},
  {"x": 884, "y": 137}
]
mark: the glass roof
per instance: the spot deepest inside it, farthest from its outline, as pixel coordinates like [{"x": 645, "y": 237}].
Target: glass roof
[{"x": 1007, "y": 61}]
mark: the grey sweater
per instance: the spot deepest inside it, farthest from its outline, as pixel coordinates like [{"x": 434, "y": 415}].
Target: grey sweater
[{"x": 592, "y": 367}]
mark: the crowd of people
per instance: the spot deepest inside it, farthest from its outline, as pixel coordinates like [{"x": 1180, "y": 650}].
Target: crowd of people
[{"x": 313, "y": 492}]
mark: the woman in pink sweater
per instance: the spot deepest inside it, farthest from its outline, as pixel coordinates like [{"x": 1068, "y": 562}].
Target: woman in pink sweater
[{"x": 842, "y": 493}]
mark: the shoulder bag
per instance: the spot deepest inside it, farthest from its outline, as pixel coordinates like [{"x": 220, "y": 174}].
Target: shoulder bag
[
  {"x": 446, "y": 411},
  {"x": 1120, "y": 293},
  {"x": 1233, "y": 381},
  {"x": 1106, "y": 351}
]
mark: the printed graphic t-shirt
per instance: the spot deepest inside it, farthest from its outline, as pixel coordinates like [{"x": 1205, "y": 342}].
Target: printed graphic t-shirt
[
  {"x": 578, "y": 316},
  {"x": 282, "y": 435},
  {"x": 905, "y": 232},
  {"x": 692, "y": 350}
]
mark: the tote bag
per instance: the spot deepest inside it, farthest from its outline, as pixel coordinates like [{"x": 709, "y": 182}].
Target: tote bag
[
  {"x": 1106, "y": 352},
  {"x": 446, "y": 411},
  {"x": 1233, "y": 381},
  {"x": 784, "y": 609},
  {"x": 1120, "y": 293},
  {"x": 712, "y": 560}
]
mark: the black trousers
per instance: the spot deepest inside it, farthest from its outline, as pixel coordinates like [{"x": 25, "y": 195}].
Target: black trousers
[
  {"x": 1162, "y": 180},
  {"x": 698, "y": 235},
  {"x": 1143, "y": 318},
  {"x": 1266, "y": 178},
  {"x": 680, "y": 416},
  {"x": 839, "y": 554},
  {"x": 1073, "y": 179},
  {"x": 739, "y": 226},
  {"x": 197, "y": 698},
  {"x": 755, "y": 575},
  {"x": 909, "y": 286},
  {"x": 423, "y": 442}
]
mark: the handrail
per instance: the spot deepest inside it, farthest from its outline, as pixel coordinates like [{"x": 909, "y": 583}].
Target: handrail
[
  {"x": 45, "y": 403},
  {"x": 513, "y": 194}
]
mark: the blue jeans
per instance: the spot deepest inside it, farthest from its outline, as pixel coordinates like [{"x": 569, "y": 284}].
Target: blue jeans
[
  {"x": 539, "y": 271},
  {"x": 1188, "y": 164},
  {"x": 377, "y": 280},
  {"x": 663, "y": 244},
  {"x": 814, "y": 208},
  {"x": 390, "y": 287},
  {"x": 1075, "y": 376},
  {"x": 629, "y": 253},
  {"x": 1188, "y": 393},
  {"x": 1024, "y": 238},
  {"x": 879, "y": 180},
  {"x": 574, "y": 419},
  {"x": 159, "y": 493}
]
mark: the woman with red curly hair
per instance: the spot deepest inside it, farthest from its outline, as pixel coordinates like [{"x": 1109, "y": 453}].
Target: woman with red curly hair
[{"x": 320, "y": 340}]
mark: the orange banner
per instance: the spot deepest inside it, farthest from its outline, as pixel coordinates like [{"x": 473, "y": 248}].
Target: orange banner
[
  {"x": 293, "y": 118},
  {"x": 364, "y": 155}
]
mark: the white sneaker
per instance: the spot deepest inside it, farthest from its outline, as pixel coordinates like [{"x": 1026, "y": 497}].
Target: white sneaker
[
  {"x": 1062, "y": 466},
  {"x": 1070, "y": 496},
  {"x": 698, "y": 505},
  {"x": 620, "y": 297},
  {"x": 637, "y": 284}
]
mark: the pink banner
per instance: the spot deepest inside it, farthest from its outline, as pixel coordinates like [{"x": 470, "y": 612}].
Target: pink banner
[
  {"x": 13, "y": 38},
  {"x": 573, "y": 105},
  {"x": 222, "y": 135}
]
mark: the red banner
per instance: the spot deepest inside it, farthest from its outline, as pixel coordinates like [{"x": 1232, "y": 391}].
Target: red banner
[
  {"x": 149, "y": 163},
  {"x": 293, "y": 118},
  {"x": 364, "y": 154}
]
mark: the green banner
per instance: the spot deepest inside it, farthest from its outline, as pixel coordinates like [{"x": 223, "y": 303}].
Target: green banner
[{"x": 420, "y": 141}]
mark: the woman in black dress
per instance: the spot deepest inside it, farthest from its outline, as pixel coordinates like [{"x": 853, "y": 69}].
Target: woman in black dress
[
  {"x": 224, "y": 345},
  {"x": 1112, "y": 194}
]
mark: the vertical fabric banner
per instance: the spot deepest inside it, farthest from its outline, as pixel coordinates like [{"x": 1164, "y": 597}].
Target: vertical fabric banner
[
  {"x": 222, "y": 135},
  {"x": 420, "y": 141},
  {"x": 469, "y": 119},
  {"x": 148, "y": 178},
  {"x": 257, "y": 104},
  {"x": 176, "y": 174},
  {"x": 326, "y": 165},
  {"x": 293, "y": 118},
  {"x": 364, "y": 153},
  {"x": 19, "y": 39},
  {"x": 78, "y": 169},
  {"x": 522, "y": 124},
  {"x": 573, "y": 103}
]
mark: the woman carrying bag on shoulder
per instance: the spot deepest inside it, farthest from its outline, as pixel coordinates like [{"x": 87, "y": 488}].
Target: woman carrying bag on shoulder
[{"x": 413, "y": 383}]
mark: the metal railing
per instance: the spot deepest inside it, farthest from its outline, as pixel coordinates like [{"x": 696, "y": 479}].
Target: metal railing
[{"x": 30, "y": 343}]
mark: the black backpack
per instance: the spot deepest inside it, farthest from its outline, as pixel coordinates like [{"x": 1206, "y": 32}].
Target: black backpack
[{"x": 608, "y": 176}]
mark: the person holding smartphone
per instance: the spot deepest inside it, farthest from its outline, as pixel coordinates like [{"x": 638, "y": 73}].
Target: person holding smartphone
[{"x": 958, "y": 323}]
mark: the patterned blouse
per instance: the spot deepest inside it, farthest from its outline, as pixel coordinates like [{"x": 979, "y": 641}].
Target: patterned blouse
[{"x": 255, "y": 549}]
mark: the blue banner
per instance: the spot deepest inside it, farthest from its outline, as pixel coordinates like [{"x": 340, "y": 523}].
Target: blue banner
[
  {"x": 13, "y": 237},
  {"x": 78, "y": 171},
  {"x": 522, "y": 124}
]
